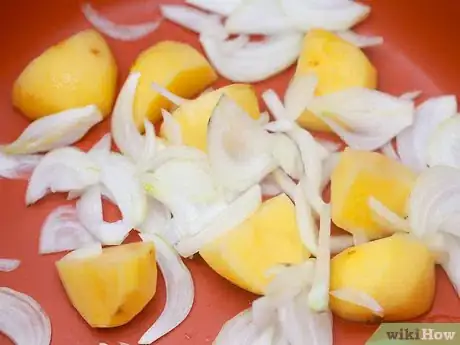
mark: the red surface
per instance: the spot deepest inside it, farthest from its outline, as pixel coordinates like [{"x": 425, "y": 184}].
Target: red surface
[{"x": 420, "y": 53}]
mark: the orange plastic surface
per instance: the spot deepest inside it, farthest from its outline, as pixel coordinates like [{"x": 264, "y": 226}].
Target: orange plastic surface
[{"x": 421, "y": 52}]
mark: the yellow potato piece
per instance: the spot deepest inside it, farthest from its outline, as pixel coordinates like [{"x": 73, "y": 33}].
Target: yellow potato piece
[
  {"x": 193, "y": 116},
  {"x": 397, "y": 271},
  {"x": 110, "y": 289},
  {"x": 338, "y": 65},
  {"x": 73, "y": 73},
  {"x": 360, "y": 175},
  {"x": 269, "y": 238},
  {"x": 174, "y": 65}
]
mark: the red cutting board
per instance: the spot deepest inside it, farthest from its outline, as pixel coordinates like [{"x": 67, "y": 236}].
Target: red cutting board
[{"x": 421, "y": 52}]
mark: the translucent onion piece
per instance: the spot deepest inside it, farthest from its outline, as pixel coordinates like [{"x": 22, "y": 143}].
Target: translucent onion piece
[
  {"x": 413, "y": 142},
  {"x": 238, "y": 331},
  {"x": 223, "y": 7},
  {"x": 330, "y": 146},
  {"x": 310, "y": 14},
  {"x": 62, "y": 231},
  {"x": 90, "y": 250},
  {"x": 318, "y": 298},
  {"x": 121, "y": 179},
  {"x": 360, "y": 41},
  {"x": 239, "y": 150},
  {"x": 178, "y": 101},
  {"x": 340, "y": 243},
  {"x": 179, "y": 152},
  {"x": 274, "y": 105},
  {"x": 329, "y": 165},
  {"x": 124, "y": 131},
  {"x": 270, "y": 187},
  {"x": 256, "y": 61},
  {"x": 62, "y": 170},
  {"x": 22, "y": 319},
  {"x": 194, "y": 20},
  {"x": 150, "y": 148},
  {"x": 118, "y": 31},
  {"x": 444, "y": 144},
  {"x": 264, "y": 118},
  {"x": 434, "y": 200},
  {"x": 287, "y": 154},
  {"x": 171, "y": 128},
  {"x": 54, "y": 131},
  {"x": 359, "y": 298},
  {"x": 389, "y": 151},
  {"x": 299, "y": 94},
  {"x": 17, "y": 167},
  {"x": 359, "y": 237},
  {"x": 305, "y": 220},
  {"x": 180, "y": 290},
  {"x": 244, "y": 19},
  {"x": 372, "y": 117},
  {"x": 8, "y": 265},
  {"x": 158, "y": 220},
  {"x": 279, "y": 126},
  {"x": 89, "y": 210},
  {"x": 285, "y": 182},
  {"x": 233, "y": 215},
  {"x": 451, "y": 263},
  {"x": 386, "y": 217},
  {"x": 102, "y": 147},
  {"x": 411, "y": 95}
]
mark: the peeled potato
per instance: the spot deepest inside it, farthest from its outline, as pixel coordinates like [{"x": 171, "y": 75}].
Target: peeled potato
[
  {"x": 397, "y": 271},
  {"x": 109, "y": 289},
  {"x": 193, "y": 116},
  {"x": 73, "y": 73},
  {"x": 177, "y": 67},
  {"x": 338, "y": 65}
]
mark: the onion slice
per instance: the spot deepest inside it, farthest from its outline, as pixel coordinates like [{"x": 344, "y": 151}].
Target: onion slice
[
  {"x": 299, "y": 95},
  {"x": 413, "y": 142},
  {"x": 157, "y": 220},
  {"x": 305, "y": 220},
  {"x": 118, "y": 31},
  {"x": 179, "y": 152},
  {"x": 372, "y": 118},
  {"x": 389, "y": 151},
  {"x": 359, "y": 298},
  {"x": 285, "y": 182},
  {"x": 239, "y": 150},
  {"x": 22, "y": 319},
  {"x": 17, "y": 167},
  {"x": 270, "y": 186},
  {"x": 444, "y": 144},
  {"x": 256, "y": 61},
  {"x": 240, "y": 330},
  {"x": 310, "y": 14},
  {"x": 180, "y": 290},
  {"x": 8, "y": 265},
  {"x": 243, "y": 19},
  {"x": 233, "y": 215},
  {"x": 318, "y": 297},
  {"x": 360, "y": 41},
  {"x": 171, "y": 128},
  {"x": 62, "y": 170},
  {"x": 287, "y": 154},
  {"x": 62, "y": 231},
  {"x": 411, "y": 95},
  {"x": 55, "y": 131},
  {"x": 222, "y": 7},
  {"x": 329, "y": 165},
  {"x": 340, "y": 243},
  {"x": 386, "y": 217}
]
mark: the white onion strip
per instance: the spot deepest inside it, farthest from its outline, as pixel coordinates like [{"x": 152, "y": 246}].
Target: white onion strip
[
  {"x": 359, "y": 298},
  {"x": 168, "y": 94},
  {"x": 8, "y": 265},
  {"x": 286, "y": 184},
  {"x": 118, "y": 31},
  {"x": 305, "y": 220},
  {"x": 22, "y": 319},
  {"x": 17, "y": 167},
  {"x": 222, "y": 7},
  {"x": 389, "y": 151},
  {"x": 171, "y": 128},
  {"x": 386, "y": 217},
  {"x": 180, "y": 290},
  {"x": 360, "y": 41},
  {"x": 340, "y": 243}
]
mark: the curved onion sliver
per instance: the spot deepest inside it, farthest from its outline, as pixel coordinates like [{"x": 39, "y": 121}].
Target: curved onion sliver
[
  {"x": 17, "y": 166},
  {"x": 8, "y": 265},
  {"x": 358, "y": 298}
]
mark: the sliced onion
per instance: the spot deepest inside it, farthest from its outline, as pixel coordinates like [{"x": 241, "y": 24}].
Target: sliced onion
[
  {"x": 279, "y": 126},
  {"x": 329, "y": 165},
  {"x": 120, "y": 178},
  {"x": 434, "y": 200},
  {"x": 176, "y": 100},
  {"x": 310, "y": 14},
  {"x": 359, "y": 237},
  {"x": 118, "y": 31},
  {"x": 222, "y": 7},
  {"x": 413, "y": 142},
  {"x": 299, "y": 94},
  {"x": 8, "y": 265},
  {"x": 171, "y": 128},
  {"x": 194, "y": 20},
  {"x": 330, "y": 146},
  {"x": 318, "y": 298},
  {"x": 17, "y": 167},
  {"x": 340, "y": 243},
  {"x": 22, "y": 319},
  {"x": 360, "y": 41},
  {"x": 179, "y": 152},
  {"x": 358, "y": 298},
  {"x": 89, "y": 210},
  {"x": 256, "y": 61},
  {"x": 411, "y": 95},
  {"x": 285, "y": 183},
  {"x": 270, "y": 187},
  {"x": 444, "y": 144},
  {"x": 386, "y": 217},
  {"x": 264, "y": 118},
  {"x": 244, "y": 20},
  {"x": 240, "y": 330},
  {"x": 287, "y": 154},
  {"x": 389, "y": 151},
  {"x": 62, "y": 170},
  {"x": 239, "y": 150},
  {"x": 305, "y": 220},
  {"x": 451, "y": 263},
  {"x": 158, "y": 220},
  {"x": 62, "y": 231},
  {"x": 372, "y": 117},
  {"x": 88, "y": 251},
  {"x": 180, "y": 290},
  {"x": 233, "y": 215},
  {"x": 102, "y": 147},
  {"x": 55, "y": 131}
]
